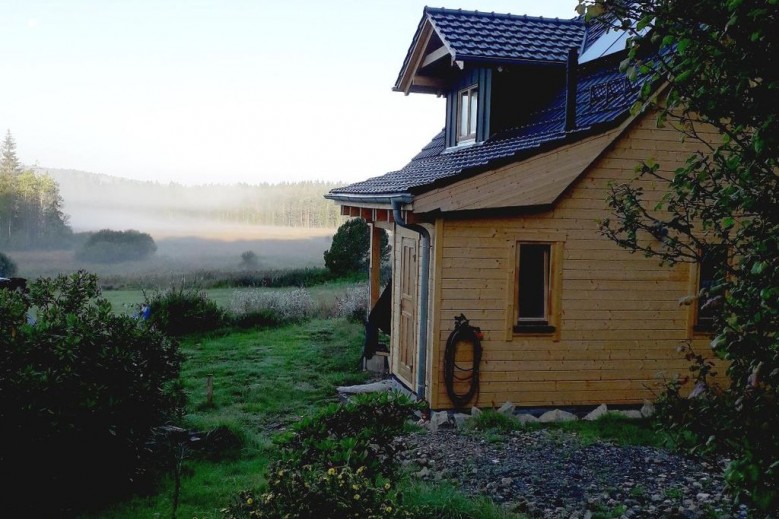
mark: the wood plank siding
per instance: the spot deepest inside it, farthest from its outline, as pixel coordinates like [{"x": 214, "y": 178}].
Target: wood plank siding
[{"x": 619, "y": 322}]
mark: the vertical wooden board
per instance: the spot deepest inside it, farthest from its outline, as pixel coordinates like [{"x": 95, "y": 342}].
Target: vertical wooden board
[{"x": 436, "y": 356}]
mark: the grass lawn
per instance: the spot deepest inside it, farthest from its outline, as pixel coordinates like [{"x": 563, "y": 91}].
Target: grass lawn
[{"x": 263, "y": 381}]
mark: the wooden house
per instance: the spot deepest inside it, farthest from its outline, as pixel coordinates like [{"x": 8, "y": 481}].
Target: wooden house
[{"x": 497, "y": 218}]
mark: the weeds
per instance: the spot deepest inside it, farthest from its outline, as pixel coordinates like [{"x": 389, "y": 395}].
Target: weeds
[
  {"x": 283, "y": 305},
  {"x": 493, "y": 424}
]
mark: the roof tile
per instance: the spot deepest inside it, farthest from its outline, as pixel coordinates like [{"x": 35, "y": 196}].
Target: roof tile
[{"x": 603, "y": 99}]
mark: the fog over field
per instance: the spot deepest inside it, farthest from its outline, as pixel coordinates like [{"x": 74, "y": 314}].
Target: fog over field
[
  {"x": 238, "y": 211},
  {"x": 196, "y": 228}
]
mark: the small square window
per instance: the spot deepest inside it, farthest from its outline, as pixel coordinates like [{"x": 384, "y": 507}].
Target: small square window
[
  {"x": 534, "y": 288},
  {"x": 467, "y": 112}
]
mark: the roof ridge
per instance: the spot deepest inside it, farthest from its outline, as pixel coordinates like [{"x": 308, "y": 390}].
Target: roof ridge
[{"x": 576, "y": 20}]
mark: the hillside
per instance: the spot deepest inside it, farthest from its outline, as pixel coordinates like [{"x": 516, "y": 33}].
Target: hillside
[{"x": 96, "y": 201}]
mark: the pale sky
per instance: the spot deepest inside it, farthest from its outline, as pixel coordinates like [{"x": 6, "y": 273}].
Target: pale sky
[{"x": 220, "y": 91}]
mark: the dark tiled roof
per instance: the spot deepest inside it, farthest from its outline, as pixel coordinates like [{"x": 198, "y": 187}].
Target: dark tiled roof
[
  {"x": 473, "y": 35},
  {"x": 603, "y": 100},
  {"x": 478, "y": 36}
]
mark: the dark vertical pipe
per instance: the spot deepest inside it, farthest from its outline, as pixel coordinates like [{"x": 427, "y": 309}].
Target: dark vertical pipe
[{"x": 570, "y": 92}]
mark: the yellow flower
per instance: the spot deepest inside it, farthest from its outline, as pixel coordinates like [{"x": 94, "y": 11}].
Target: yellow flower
[
  {"x": 355, "y": 487},
  {"x": 331, "y": 471},
  {"x": 361, "y": 470},
  {"x": 249, "y": 501},
  {"x": 356, "y": 497},
  {"x": 388, "y": 509},
  {"x": 386, "y": 486}
]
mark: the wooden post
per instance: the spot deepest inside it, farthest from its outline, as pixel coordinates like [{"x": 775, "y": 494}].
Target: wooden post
[{"x": 375, "y": 265}]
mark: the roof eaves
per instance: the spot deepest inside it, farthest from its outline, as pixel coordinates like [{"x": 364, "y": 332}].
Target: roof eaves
[
  {"x": 472, "y": 58},
  {"x": 386, "y": 198}
]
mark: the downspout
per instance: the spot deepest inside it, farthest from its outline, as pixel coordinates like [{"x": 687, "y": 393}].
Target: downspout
[{"x": 424, "y": 289}]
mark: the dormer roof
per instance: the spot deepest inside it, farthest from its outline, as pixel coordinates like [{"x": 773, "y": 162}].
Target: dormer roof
[
  {"x": 457, "y": 37},
  {"x": 603, "y": 100}
]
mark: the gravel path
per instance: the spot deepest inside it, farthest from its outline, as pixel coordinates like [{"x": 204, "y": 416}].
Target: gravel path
[{"x": 551, "y": 473}]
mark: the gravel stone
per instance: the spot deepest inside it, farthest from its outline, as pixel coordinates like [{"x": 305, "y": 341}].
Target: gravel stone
[{"x": 552, "y": 473}]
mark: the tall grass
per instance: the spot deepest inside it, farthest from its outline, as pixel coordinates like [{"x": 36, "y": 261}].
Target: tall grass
[{"x": 294, "y": 305}]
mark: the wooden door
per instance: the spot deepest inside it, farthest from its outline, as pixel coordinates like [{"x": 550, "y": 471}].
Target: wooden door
[{"x": 409, "y": 276}]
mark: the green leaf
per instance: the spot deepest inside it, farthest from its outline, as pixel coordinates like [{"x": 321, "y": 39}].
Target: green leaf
[
  {"x": 758, "y": 143},
  {"x": 684, "y": 76},
  {"x": 682, "y": 46},
  {"x": 759, "y": 267}
]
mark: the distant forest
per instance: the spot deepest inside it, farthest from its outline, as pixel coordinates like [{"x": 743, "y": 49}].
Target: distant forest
[
  {"x": 299, "y": 204},
  {"x": 31, "y": 212}
]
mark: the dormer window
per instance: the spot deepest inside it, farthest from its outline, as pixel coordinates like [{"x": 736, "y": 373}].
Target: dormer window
[{"x": 467, "y": 110}]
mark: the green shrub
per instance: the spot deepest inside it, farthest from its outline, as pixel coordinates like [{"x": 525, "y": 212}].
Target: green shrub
[
  {"x": 350, "y": 249},
  {"x": 178, "y": 311},
  {"x": 335, "y": 464},
  {"x": 81, "y": 390},
  {"x": 717, "y": 422},
  {"x": 107, "y": 246},
  {"x": 358, "y": 433},
  {"x": 314, "y": 492},
  {"x": 7, "y": 266}
]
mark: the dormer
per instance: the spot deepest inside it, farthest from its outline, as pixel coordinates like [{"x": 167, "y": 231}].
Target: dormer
[{"x": 493, "y": 69}]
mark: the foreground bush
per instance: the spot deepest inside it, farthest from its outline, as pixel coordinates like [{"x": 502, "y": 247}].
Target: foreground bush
[
  {"x": 309, "y": 492},
  {"x": 81, "y": 390},
  {"x": 109, "y": 246},
  {"x": 335, "y": 464},
  {"x": 358, "y": 433},
  {"x": 716, "y": 422},
  {"x": 180, "y": 311}
]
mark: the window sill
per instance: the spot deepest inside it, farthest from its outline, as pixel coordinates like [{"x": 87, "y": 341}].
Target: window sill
[
  {"x": 461, "y": 145},
  {"x": 703, "y": 328},
  {"x": 534, "y": 329}
]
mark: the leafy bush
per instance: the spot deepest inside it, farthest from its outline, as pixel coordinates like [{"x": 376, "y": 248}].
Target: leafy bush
[
  {"x": 278, "y": 305},
  {"x": 715, "y": 422},
  {"x": 313, "y": 492},
  {"x": 357, "y": 433},
  {"x": 81, "y": 390},
  {"x": 178, "y": 311},
  {"x": 335, "y": 464},
  {"x": 7, "y": 266},
  {"x": 350, "y": 248},
  {"x": 107, "y": 246}
]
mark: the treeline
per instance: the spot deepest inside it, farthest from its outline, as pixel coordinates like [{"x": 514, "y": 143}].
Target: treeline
[
  {"x": 298, "y": 204},
  {"x": 31, "y": 208}
]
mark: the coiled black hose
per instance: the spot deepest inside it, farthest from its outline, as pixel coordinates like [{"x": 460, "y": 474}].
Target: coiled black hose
[{"x": 463, "y": 333}]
